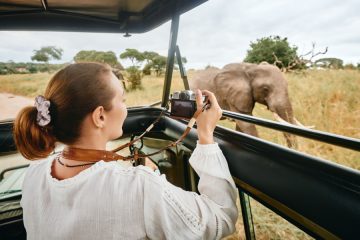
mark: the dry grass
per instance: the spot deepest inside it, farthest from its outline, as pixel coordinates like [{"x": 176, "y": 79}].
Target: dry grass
[
  {"x": 28, "y": 85},
  {"x": 328, "y": 99}
]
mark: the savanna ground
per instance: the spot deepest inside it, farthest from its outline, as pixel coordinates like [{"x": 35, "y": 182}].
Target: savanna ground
[{"x": 327, "y": 99}]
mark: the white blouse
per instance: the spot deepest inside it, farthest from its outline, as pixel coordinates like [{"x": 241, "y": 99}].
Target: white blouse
[{"x": 110, "y": 201}]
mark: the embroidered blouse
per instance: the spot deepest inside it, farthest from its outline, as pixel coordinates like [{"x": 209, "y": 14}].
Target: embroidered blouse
[{"x": 110, "y": 201}]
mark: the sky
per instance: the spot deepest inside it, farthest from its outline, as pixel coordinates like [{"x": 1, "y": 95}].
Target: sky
[{"x": 217, "y": 32}]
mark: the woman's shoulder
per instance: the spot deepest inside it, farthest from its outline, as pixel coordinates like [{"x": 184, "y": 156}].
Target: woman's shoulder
[
  {"x": 39, "y": 165},
  {"x": 107, "y": 171},
  {"x": 141, "y": 173},
  {"x": 119, "y": 169}
]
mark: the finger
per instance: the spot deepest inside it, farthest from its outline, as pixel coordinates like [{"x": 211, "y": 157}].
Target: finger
[
  {"x": 199, "y": 102},
  {"x": 211, "y": 98}
]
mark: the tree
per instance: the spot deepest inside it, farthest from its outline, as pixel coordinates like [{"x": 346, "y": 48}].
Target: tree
[
  {"x": 335, "y": 63},
  {"x": 134, "y": 56},
  {"x": 108, "y": 57},
  {"x": 273, "y": 49},
  {"x": 45, "y": 54},
  {"x": 134, "y": 74},
  {"x": 159, "y": 64},
  {"x": 149, "y": 56}
]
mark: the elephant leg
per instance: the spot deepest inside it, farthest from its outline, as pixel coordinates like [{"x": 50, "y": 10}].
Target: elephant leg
[
  {"x": 290, "y": 140},
  {"x": 244, "y": 127}
]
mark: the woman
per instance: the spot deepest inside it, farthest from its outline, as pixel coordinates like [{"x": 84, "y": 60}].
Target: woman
[{"x": 63, "y": 198}]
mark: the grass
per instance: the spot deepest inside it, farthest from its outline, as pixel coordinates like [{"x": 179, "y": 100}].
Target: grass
[{"x": 327, "y": 99}]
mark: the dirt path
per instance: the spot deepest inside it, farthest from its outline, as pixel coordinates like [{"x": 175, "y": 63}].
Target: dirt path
[{"x": 11, "y": 104}]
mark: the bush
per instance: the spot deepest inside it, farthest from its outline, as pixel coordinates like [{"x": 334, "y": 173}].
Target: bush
[
  {"x": 350, "y": 66},
  {"x": 134, "y": 77},
  {"x": 32, "y": 69},
  {"x": 264, "y": 49},
  {"x": 43, "y": 68},
  {"x": 147, "y": 69}
]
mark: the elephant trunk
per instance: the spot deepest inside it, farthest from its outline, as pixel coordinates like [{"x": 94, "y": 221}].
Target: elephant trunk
[{"x": 284, "y": 112}]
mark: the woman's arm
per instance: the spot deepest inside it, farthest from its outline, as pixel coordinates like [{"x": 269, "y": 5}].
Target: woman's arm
[{"x": 172, "y": 213}]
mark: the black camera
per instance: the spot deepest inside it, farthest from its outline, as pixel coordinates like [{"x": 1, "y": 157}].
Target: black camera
[{"x": 183, "y": 104}]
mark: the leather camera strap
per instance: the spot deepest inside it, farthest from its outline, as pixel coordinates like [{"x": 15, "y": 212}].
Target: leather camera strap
[{"x": 93, "y": 155}]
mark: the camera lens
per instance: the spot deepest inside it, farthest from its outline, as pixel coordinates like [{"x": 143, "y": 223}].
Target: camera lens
[{"x": 184, "y": 95}]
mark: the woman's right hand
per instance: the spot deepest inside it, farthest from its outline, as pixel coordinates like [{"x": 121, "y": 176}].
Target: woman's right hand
[{"x": 206, "y": 121}]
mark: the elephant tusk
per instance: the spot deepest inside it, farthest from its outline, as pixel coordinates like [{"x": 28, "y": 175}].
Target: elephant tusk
[
  {"x": 300, "y": 125},
  {"x": 297, "y": 123},
  {"x": 279, "y": 119}
]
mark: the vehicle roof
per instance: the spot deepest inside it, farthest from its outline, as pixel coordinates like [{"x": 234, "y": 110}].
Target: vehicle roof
[{"x": 132, "y": 16}]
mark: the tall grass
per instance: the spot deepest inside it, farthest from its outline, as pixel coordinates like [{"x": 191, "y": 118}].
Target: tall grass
[
  {"x": 327, "y": 99},
  {"x": 28, "y": 85}
]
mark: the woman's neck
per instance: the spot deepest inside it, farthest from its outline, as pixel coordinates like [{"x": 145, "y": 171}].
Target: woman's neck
[{"x": 97, "y": 144}]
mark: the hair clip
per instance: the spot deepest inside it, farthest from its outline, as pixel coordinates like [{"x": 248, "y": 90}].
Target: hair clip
[{"x": 43, "y": 116}]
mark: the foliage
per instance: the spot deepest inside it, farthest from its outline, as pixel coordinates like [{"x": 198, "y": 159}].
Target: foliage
[
  {"x": 11, "y": 67},
  {"x": 45, "y": 54},
  {"x": 149, "y": 56},
  {"x": 133, "y": 73},
  {"x": 265, "y": 48},
  {"x": 134, "y": 77},
  {"x": 108, "y": 57},
  {"x": 32, "y": 68},
  {"x": 334, "y": 63},
  {"x": 147, "y": 69},
  {"x": 157, "y": 63},
  {"x": 349, "y": 66},
  {"x": 134, "y": 56}
]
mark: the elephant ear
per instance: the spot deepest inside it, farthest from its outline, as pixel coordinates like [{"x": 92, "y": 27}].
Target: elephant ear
[
  {"x": 204, "y": 79},
  {"x": 233, "y": 90},
  {"x": 253, "y": 71}
]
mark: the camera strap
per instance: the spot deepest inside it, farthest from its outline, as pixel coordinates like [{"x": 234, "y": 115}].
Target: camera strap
[{"x": 93, "y": 155}]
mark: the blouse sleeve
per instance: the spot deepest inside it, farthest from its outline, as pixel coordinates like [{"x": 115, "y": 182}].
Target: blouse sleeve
[{"x": 172, "y": 213}]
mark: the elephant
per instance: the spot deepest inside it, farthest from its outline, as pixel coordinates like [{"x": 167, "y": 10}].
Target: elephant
[
  {"x": 118, "y": 74},
  {"x": 238, "y": 86}
]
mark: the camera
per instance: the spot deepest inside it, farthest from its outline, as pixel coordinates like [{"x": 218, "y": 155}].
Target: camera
[{"x": 183, "y": 104}]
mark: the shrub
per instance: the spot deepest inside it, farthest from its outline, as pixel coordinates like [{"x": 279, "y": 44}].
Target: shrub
[{"x": 134, "y": 77}]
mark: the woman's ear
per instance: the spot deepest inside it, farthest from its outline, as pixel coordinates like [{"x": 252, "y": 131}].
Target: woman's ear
[{"x": 98, "y": 117}]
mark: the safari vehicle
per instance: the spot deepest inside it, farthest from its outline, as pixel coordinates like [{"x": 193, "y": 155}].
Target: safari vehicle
[{"x": 319, "y": 197}]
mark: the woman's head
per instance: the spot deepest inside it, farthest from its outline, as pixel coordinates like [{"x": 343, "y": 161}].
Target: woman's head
[{"x": 83, "y": 97}]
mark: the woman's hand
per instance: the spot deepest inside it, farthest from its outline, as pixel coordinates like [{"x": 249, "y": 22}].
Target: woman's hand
[{"x": 206, "y": 121}]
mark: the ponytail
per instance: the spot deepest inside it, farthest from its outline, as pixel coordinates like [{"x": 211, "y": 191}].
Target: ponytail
[{"x": 32, "y": 140}]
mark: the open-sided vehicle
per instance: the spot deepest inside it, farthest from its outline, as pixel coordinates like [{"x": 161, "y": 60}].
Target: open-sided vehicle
[{"x": 319, "y": 197}]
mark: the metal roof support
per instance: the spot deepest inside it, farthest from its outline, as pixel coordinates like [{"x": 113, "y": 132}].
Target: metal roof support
[
  {"x": 170, "y": 59},
  {"x": 182, "y": 68}
]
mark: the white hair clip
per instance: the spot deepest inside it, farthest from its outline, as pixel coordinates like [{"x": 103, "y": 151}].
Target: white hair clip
[{"x": 43, "y": 116}]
